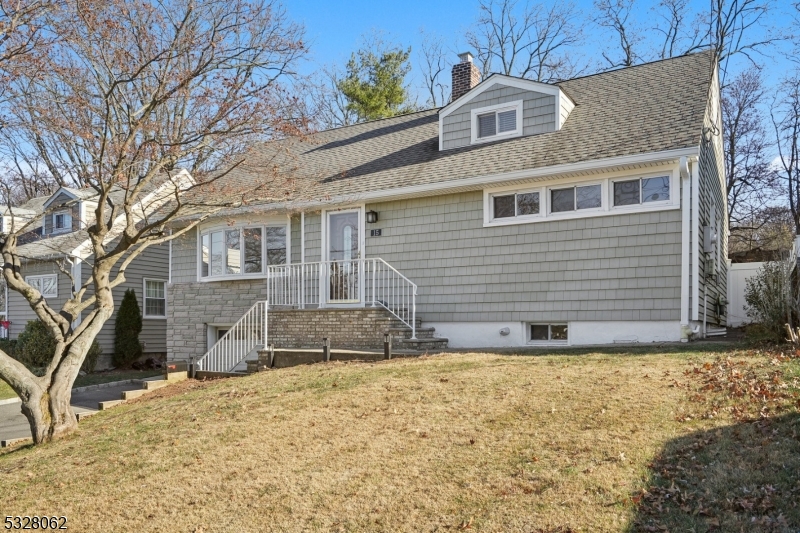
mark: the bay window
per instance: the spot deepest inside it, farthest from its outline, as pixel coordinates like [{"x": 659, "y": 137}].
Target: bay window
[{"x": 242, "y": 251}]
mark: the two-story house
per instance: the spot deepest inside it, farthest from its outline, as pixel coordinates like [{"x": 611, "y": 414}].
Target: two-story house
[
  {"x": 56, "y": 260},
  {"x": 589, "y": 211}
]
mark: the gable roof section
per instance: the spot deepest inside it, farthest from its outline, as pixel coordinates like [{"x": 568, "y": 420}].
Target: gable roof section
[
  {"x": 650, "y": 108},
  {"x": 495, "y": 79}
]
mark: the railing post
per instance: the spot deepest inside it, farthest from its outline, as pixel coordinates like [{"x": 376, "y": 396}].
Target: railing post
[
  {"x": 413, "y": 313},
  {"x": 374, "y": 268},
  {"x": 266, "y": 323}
]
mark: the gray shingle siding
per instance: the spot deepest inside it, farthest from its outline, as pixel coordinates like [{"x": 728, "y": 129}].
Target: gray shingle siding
[
  {"x": 19, "y": 311},
  {"x": 712, "y": 194},
  {"x": 151, "y": 264},
  {"x": 616, "y": 267},
  {"x": 184, "y": 258},
  {"x": 619, "y": 267},
  {"x": 538, "y": 114}
]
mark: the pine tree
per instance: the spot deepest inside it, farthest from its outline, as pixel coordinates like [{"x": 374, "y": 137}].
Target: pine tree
[
  {"x": 374, "y": 82},
  {"x": 127, "y": 347}
]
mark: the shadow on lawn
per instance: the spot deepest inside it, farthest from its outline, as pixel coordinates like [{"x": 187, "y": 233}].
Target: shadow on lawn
[{"x": 744, "y": 477}]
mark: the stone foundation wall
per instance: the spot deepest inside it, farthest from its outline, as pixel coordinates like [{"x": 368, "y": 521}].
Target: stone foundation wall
[
  {"x": 356, "y": 329},
  {"x": 191, "y": 307}
]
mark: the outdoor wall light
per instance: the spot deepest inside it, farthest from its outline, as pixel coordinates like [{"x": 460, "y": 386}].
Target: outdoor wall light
[{"x": 372, "y": 217}]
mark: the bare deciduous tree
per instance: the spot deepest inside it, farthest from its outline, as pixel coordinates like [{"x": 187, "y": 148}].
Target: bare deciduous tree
[
  {"x": 532, "y": 41},
  {"x": 751, "y": 180},
  {"x": 130, "y": 93},
  {"x": 682, "y": 30},
  {"x": 733, "y": 30},
  {"x": 327, "y": 106},
  {"x": 615, "y": 15},
  {"x": 785, "y": 115},
  {"x": 434, "y": 66}
]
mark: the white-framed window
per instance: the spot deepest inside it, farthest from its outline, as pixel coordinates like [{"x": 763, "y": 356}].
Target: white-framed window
[
  {"x": 544, "y": 333},
  {"x": 516, "y": 204},
  {"x": 46, "y": 284},
  {"x": 155, "y": 298},
  {"x": 641, "y": 191},
  {"x": 244, "y": 251},
  {"x": 570, "y": 198},
  {"x": 62, "y": 221},
  {"x": 496, "y": 122},
  {"x": 575, "y": 198}
]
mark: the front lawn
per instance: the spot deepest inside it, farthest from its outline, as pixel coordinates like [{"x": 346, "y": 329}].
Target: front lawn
[{"x": 665, "y": 440}]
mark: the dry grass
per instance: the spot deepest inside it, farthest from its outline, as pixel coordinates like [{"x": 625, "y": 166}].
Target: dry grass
[{"x": 457, "y": 442}]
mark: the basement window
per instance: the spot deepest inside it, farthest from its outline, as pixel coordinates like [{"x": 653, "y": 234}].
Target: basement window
[{"x": 548, "y": 333}]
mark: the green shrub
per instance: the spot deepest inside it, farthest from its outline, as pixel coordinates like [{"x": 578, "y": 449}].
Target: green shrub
[
  {"x": 90, "y": 361},
  {"x": 768, "y": 297},
  {"x": 35, "y": 347},
  {"x": 9, "y": 346},
  {"x": 127, "y": 347}
]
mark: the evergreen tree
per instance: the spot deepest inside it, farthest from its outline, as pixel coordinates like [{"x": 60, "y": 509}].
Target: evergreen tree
[
  {"x": 127, "y": 347},
  {"x": 373, "y": 85}
]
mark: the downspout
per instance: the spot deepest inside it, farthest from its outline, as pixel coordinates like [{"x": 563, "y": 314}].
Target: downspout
[{"x": 686, "y": 184}]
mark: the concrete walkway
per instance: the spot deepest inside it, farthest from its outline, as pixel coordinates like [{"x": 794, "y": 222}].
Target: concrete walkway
[{"x": 14, "y": 425}]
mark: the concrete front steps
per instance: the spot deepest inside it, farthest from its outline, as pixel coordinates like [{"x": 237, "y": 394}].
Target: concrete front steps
[
  {"x": 147, "y": 387},
  {"x": 426, "y": 340}
]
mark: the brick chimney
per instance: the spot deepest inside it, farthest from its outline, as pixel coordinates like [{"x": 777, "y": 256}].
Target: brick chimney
[{"x": 465, "y": 76}]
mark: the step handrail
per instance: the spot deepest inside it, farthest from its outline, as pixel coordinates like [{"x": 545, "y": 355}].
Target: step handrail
[
  {"x": 249, "y": 332},
  {"x": 375, "y": 281}
]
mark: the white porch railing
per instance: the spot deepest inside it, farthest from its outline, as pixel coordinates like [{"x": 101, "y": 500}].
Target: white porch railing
[
  {"x": 371, "y": 281},
  {"x": 248, "y": 334}
]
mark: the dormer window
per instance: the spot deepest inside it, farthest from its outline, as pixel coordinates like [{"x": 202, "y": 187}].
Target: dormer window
[
  {"x": 497, "y": 122},
  {"x": 62, "y": 221}
]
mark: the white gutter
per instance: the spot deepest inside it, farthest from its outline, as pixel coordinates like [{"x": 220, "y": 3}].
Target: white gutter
[{"x": 493, "y": 179}]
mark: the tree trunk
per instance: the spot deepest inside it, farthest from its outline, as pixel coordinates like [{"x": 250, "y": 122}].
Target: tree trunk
[
  {"x": 50, "y": 415},
  {"x": 46, "y": 405}
]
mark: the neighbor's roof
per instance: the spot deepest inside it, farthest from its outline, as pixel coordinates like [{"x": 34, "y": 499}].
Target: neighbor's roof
[{"x": 647, "y": 108}]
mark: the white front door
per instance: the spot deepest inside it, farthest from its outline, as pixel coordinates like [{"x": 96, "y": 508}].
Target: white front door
[{"x": 344, "y": 249}]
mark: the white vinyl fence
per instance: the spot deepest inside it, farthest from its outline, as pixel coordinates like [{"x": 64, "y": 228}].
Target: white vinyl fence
[{"x": 738, "y": 274}]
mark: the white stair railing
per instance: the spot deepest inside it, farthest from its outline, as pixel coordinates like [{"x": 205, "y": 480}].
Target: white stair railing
[
  {"x": 248, "y": 334},
  {"x": 372, "y": 281}
]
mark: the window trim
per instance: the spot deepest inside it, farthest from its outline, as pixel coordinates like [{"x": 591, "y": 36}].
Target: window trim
[
  {"x": 498, "y": 108},
  {"x": 549, "y": 342},
  {"x": 641, "y": 204},
  {"x": 144, "y": 299},
  {"x": 573, "y": 212},
  {"x": 606, "y": 209},
  {"x": 207, "y": 230},
  {"x": 41, "y": 276},
  {"x": 65, "y": 229},
  {"x": 515, "y": 192}
]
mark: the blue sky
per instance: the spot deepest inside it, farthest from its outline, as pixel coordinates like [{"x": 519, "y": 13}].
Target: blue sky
[{"x": 335, "y": 28}]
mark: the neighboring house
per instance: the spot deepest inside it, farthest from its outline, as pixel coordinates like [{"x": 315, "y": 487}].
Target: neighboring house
[
  {"x": 54, "y": 253},
  {"x": 584, "y": 212}
]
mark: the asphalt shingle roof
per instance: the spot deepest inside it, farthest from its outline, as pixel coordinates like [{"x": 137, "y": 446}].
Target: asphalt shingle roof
[{"x": 647, "y": 108}]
